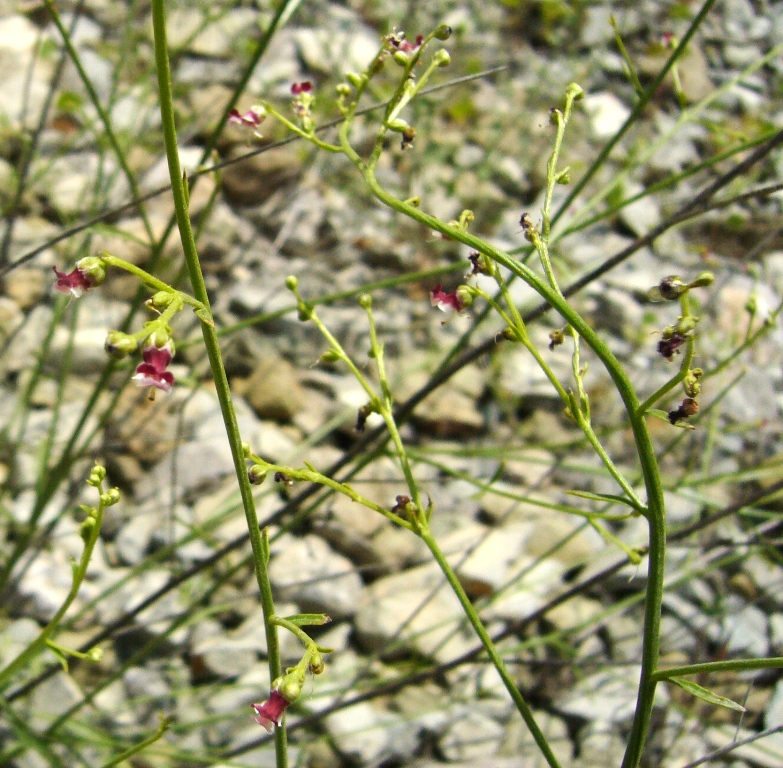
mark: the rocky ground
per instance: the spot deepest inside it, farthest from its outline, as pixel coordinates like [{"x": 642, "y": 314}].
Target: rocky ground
[{"x": 491, "y": 447}]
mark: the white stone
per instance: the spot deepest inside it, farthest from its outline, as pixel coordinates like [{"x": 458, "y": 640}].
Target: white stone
[
  {"x": 413, "y": 610},
  {"x": 309, "y": 573},
  {"x": 470, "y": 736},
  {"x": 370, "y": 736},
  {"x": 607, "y": 113}
]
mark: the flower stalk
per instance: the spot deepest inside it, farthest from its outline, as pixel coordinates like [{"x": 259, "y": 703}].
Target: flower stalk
[{"x": 260, "y": 546}]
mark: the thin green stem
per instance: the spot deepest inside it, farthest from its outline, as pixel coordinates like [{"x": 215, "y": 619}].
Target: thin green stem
[
  {"x": 78, "y": 576},
  {"x": 387, "y": 411},
  {"x": 213, "y": 351},
  {"x": 489, "y": 646},
  {"x": 649, "y": 465},
  {"x": 313, "y": 476},
  {"x": 149, "y": 280},
  {"x": 734, "y": 665}
]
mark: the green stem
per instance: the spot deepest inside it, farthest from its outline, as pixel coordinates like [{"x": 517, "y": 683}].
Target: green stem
[
  {"x": 303, "y": 637},
  {"x": 79, "y": 574},
  {"x": 486, "y": 640},
  {"x": 387, "y": 412},
  {"x": 735, "y": 665},
  {"x": 649, "y": 465},
  {"x": 312, "y": 476},
  {"x": 149, "y": 280},
  {"x": 213, "y": 352}
]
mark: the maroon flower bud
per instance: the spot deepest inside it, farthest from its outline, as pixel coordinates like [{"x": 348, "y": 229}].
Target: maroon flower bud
[
  {"x": 446, "y": 302},
  {"x": 299, "y": 88},
  {"x": 671, "y": 342},
  {"x": 271, "y": 711},
  {"x": 250, "y": 119},
  {"x": 152, "y": 372}
]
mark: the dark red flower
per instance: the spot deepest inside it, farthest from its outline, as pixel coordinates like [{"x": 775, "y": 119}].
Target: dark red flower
[
  {"x": 409, "y": 47},
  {"x": 446, "y": 302},
  {"x": 669, "y": 345},
  {"x": 250, "y": 119},
  {"x": 152, "y": 372},
  {"x": 305, "y": 87},
  {"x": 270, "y": 712}
]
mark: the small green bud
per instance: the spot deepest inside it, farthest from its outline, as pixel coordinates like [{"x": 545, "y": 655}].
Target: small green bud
[
  {"x": 509, "y": 334},
  {"x": 94, "y": 655},
  {"x": 93, "y": 268},
  {"x": 257, "y": 474},
  {"x": 465, "y": 295},
  {"x": 401, "y": 58},
  {"x": 292, "y": 283},
  {"x": 119, "y": 345},
  {"x": 752, "y": 304},
  {"x": 159, "y": 301},
  {"x": 443, "y": 32},
  {"x": 575, "y": 91},
  {"x": 308, "y": 124},
  {"x": 316, "y": 663},
  {"x": 398, "y": 126},
  {"x": 86, "y": 529},
  {"x": 555, "y": 116},
  {"x": 441, "y": 58},
  {"x": 365, "y": 301},
  {"x": 704, "y": 280},
  {"x": 355, "y": 80},
  {"x": 246, "y": 450},
  {"x": 111, "y": 497},
  {"x": 343, "y": 89},
  {"x": 330, "y": 356},
  {"x": 290, "y": 689},
  {"x": 305, "y": 311},
  {"x": 97, "y": 474},
  {"x": 692, "y": 382},
  {"x": 685, "y": 325},
  {"x": 564, "y": 177}
]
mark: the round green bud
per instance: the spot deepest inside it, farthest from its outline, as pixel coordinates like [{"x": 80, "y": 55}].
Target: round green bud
[
  {"x": 97, "y": 474},
  {"x": 160, "y": 300},
  {"x": 111, "y": 497},
  {"x": 257, "y": 474},
  {"x": 290, "y": 688},
  {"x": 343, "y": 89},
  {"x": 119, "y": 345},
  {"x": 441, "y": 58},
  {"x": 316, "y": 663},
  {"x": 291, "y": 282},
  {"x": 354, "y": 79},
  {"x": 246, "y": 449},
  {"x": 443, "y": 32},
  {"x": 575, "y": 91},
  {"x": 401, "y": 58},
  {"x": 465, "y": 295},
  {"x": 703, "y": 280},
  {"x": 86, "y": 529},
  {"x": 686, "y": 324},
  {"x": 93, "y": 268},
  {"x": 330, "y": 356},
  {"x": 94, "y": 654},
  {"x": 365, "y": 301},
  {"x": 398, "y": 126}
]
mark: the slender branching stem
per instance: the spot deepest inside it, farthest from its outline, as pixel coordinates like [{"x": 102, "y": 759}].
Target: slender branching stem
[{"x": 213, "y": 351}]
